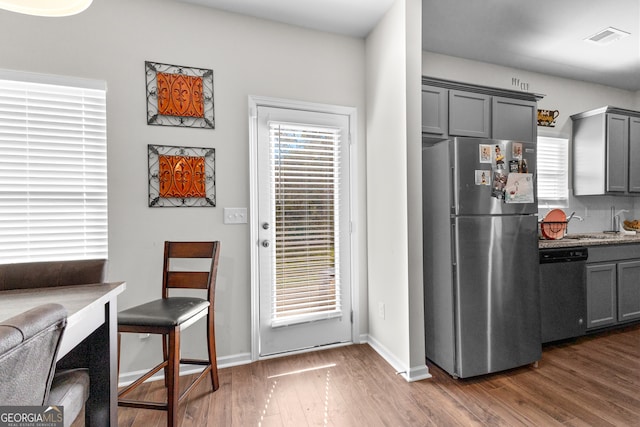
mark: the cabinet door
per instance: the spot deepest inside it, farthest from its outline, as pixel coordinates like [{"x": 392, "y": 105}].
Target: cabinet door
[
  {"x": 435, "y": 111},
  {"x": 628, "y": 290},
  {"x": 634, "y": 155},
  {"x": 514, "y": 119},
  {"x": 617, "y": 152},
  {"x": 601, "y": 295},
  {"x": 469, "y": 114}
]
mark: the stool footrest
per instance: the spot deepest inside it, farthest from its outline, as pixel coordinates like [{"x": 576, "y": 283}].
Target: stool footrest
[
  {"x": 142, "y": 405},
  {"x": 157, "y": 405},
  {"x": 194, "y": 362},
  {"x": 143, "y": 378},
  {"x": 195, "y": 382}
]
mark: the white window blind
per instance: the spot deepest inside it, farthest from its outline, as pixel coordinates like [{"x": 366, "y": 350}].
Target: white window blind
[
  {"x": 305, "y": 165},
  {"x": 53, "y": 168},
  {"x": 553, "y": 171}
]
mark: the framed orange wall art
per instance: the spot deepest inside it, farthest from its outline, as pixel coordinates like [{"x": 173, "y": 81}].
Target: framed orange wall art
[
  {"x": 181, "y": 176},
  {"x": 179, "y": 96}
]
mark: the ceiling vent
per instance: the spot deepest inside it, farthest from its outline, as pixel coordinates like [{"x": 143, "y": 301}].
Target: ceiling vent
[{"x": 606, "y": 36}]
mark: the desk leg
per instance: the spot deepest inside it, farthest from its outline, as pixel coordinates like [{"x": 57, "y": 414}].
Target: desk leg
[{"x": 102, "y": 406}]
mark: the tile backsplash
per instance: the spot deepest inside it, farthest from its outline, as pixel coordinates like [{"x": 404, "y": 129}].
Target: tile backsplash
[{"x": 595, "y": 211}]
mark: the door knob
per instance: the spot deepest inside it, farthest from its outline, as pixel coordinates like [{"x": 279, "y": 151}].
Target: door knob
[{"x": 265, "y": 243}]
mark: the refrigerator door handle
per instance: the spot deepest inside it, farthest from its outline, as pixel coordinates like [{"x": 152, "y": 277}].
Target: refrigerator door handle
[
  {"x": 453, "y": 195},
  {"x": 454, "y": 259}
]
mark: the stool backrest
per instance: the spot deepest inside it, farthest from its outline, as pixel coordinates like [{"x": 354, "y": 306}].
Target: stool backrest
[{"x": 193, "y": 279}]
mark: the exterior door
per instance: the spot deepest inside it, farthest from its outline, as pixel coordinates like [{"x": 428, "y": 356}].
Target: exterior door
[{"x": 303, "y": 232}]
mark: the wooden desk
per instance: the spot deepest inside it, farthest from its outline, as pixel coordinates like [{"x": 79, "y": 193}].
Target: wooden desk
[{"x": 90, "y": 337}]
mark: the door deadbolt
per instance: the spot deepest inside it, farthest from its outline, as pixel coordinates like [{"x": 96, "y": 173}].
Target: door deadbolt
[{"x": 265, "y": 225}]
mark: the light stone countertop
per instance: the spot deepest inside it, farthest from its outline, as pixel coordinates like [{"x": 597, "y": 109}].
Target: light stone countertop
[{"x": 590, "y": 239}]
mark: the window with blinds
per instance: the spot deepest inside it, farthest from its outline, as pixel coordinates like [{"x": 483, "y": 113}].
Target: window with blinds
[
  {"x": 305, "y": 167},
  {"x": 553, "y": 171},
  {"x": 53, "y": 168}
]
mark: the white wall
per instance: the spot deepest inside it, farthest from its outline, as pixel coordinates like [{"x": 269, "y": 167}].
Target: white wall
[
  {"x": 387, "y": 186},
  {"x": 569, "y": 97},
  {"x": 111, "y": 41},
  {"x": 413, "y": 14},
  {"x": 393, "y": 136}
]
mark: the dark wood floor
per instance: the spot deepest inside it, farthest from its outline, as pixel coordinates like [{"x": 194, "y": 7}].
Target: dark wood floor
[{"x": 594, "y": 381}]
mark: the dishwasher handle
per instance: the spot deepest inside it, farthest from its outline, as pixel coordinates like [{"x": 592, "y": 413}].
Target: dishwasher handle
[{"x": 554, "y": 255}]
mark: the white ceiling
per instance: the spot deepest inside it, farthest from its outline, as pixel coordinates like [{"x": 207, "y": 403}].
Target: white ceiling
[
  {"x": 349, "y": 17},
  {"x": 545, "y": 37}
]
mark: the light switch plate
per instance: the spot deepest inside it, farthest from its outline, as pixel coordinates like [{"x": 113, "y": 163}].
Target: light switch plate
[{"x": 235, "y": 215}]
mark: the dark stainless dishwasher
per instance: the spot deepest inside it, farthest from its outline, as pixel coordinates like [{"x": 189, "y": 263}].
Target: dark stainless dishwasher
[{"x": 563, "y": 306}]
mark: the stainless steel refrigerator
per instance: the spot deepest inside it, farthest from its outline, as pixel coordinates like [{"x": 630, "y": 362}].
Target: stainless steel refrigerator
[{"x": 481, "y": 278}]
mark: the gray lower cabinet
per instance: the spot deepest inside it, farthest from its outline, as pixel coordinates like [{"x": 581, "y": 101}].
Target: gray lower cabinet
[
  {"x": 628, "y": 290},
  {"x": 601, "y": 295},
  {"x": 613, "y": 285}
]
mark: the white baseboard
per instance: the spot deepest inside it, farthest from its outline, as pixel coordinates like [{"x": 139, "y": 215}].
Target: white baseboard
[
  {"x": 414, "y": 373},
  {"x": 418, "y": 373}
]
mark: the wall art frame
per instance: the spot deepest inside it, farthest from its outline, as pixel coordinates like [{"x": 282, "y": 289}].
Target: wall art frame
[
  {"x": 179, "y": 96},
  {"x": 181, "y": 176}
]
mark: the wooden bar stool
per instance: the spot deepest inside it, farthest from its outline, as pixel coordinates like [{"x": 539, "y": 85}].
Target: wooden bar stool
[{"x": 169, "y": 316}]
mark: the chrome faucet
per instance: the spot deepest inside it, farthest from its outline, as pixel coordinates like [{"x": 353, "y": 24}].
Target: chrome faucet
[{"x": 615, "y": 218}]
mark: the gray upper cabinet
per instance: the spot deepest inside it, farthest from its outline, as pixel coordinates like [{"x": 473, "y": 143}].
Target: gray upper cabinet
[
  {"x": 452, "y": 109},
  {"x": 514, "y": 119},
  {"x": 634, "y": 154},
  {"x": 469, "y": 114},
  {"x": 435, "y": 110},
  {"x": 617, "y": 147},
  {"x": 606, "y": 152}
]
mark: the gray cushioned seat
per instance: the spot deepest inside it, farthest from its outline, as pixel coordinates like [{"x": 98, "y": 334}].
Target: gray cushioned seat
[
  {"x": 163, "y": 312},
  {"x": 70, "y": 389},
  {"x": 29, "y": 344}
]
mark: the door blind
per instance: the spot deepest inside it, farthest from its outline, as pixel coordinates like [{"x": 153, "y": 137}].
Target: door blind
[
  {"x": 53, "y": 174},
  {"x": 305, "y": 176}
]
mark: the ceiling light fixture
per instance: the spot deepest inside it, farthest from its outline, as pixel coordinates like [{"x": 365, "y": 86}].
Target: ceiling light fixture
[
  {"x": 46, "y": 7},
  {"x": 606, "y": 36}
]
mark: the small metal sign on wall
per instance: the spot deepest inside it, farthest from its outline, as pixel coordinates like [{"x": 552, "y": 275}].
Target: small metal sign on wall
[
  {"x": 179, "y": 96},
  {"x": 181, "y": 176},
  {"x": 547, "y": 118}
]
